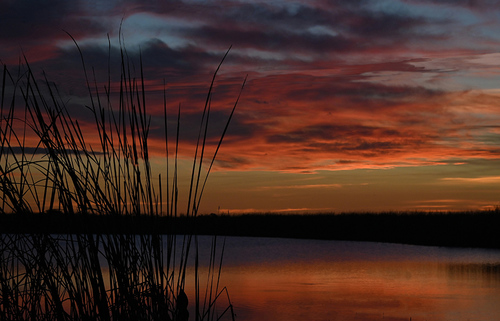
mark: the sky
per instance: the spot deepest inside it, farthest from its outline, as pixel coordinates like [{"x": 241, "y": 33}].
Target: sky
[{"x": 348, "y": 105}]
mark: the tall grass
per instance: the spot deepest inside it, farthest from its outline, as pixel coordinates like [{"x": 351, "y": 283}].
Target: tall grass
[{"x": 47, "y": 165}]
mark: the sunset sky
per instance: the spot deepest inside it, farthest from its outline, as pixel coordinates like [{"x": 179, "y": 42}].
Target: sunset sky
[{"x": 349, "y": 105}]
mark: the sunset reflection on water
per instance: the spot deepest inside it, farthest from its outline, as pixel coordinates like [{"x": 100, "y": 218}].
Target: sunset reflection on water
[
  {"x": 267, "y": 279},
  {"x": 283, "y": 280}
]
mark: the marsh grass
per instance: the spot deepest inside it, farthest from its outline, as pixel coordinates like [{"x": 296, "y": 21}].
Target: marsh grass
[{"x": 48, "y": 166}]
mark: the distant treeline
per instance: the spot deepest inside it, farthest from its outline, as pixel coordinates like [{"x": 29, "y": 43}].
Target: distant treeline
[{"x": 462, "y": 229}]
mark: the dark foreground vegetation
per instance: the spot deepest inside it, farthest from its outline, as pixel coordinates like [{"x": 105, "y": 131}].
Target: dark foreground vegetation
[
  {"x": 60, "y": 265},
  {"x": 458, "y": 229},
  {"x": 466, "y": 229}
]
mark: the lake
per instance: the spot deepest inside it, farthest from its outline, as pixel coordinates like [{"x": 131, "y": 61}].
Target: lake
[
  {"x": 267, "y": 279},
  {"x": 292, "y": 279}
]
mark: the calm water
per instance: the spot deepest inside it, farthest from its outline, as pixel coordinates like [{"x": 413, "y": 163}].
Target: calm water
[{"x": 285, "y": 279}]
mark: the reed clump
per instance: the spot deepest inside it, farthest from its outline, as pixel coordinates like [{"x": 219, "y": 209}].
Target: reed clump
[{"x": 48, "y": 166}]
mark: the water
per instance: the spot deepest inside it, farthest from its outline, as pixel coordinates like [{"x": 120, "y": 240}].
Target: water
[
  {"x": 287, "y": 279},
  {"x": 267, "y": 279}
]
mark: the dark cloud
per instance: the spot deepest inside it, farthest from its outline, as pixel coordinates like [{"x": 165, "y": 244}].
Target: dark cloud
[
  {"x": 313, "y": 30},
  {"x": 28, "y": 19},
  {"x": 360, "y": 149},
  {"x": 470, "y": 4},
  {"x": 382, "y": 25},
  {"x": 231, "y": 162},
  {"x": 27, "y": 151},
  {"x": 37, "y": 26},
  {"x": 340, "y": 91},
  {"x": 364, "y": 145},
  {"x": 190, "y": 125},
  {"x": 351, "y": 139},
  {"x": 264, "y": 16},
  {"x": 275, "y": 40},
  {"x": 322, "y": 132},
  {"x": 157, "y": 58}
]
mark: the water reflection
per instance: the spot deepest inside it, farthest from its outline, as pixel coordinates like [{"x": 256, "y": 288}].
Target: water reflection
[
  {"x": 272, "y": 279},
  {"x": 488, "y": 274},
  {"x": 91, "y": 277},
  {"x": 280, "y": 279}
]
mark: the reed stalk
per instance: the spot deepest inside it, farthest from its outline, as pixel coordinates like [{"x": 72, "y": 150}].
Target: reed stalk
[{"x": 48, "y": 166}]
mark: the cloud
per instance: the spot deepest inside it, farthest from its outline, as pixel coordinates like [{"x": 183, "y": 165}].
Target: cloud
[
  {"x": 474, "y": 180},
  {"x": 331, "y": 85},
  {"x": 306, "y": 186},
  {"x": 478, "y": 5}
]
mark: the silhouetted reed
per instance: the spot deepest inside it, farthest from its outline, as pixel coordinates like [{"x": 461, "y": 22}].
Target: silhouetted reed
[{"x": 48, "y": 166}]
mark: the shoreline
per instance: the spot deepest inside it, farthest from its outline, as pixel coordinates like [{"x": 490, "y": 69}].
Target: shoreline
[{"x": 461, "y": 229}]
